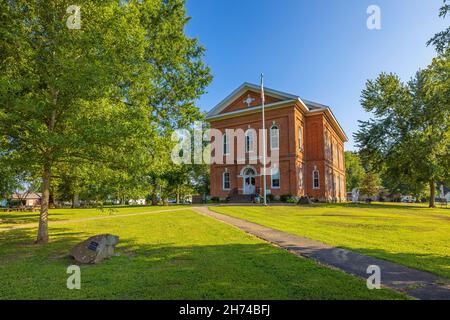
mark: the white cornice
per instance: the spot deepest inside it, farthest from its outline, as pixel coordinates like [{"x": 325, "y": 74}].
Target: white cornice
[{"x": 251, "y": 110}]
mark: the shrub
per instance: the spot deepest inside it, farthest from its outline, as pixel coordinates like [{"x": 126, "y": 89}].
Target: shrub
[
  {"x": 215, "y": 199},
  {"x": 285, "y": 197},
  {"x": 291, "y": 200}
]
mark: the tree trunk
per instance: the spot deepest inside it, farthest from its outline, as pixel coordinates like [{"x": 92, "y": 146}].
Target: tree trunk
[
  {"x": 42, "y": 236},
  {"x": 178, "y": 196},
  {"x": 75, "y": 200},
  {"x": 432, "y": 194},
  {"x": 154, "y": 197}
]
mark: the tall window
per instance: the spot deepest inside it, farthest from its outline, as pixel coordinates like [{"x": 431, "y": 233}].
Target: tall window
[
  {"x": 226, "y": 181},
  {"x": 249, "y": 141},
  {"x": 275, "y": 179},
  {"x": 300, "y": 179},
  {"x": 226, "y": 144},
  {"x": 300, "y": 138},
  {"x": 339, "y": 157},
  {"x": 339, "y": 186},
  {"x": 274, "y": 137},
  {"x": 316, "y": 179},
  {"x": 325, "y": 142}
]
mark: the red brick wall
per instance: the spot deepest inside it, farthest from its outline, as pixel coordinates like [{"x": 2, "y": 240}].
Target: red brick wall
[{"x": 292, "y": 158}]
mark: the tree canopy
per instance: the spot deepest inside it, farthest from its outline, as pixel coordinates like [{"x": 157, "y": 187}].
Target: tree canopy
[
  {"x": 408, "y": 137},
  {"x": 104, "y": 96}
]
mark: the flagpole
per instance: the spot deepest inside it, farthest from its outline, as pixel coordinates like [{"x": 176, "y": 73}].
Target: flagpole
[{"x": 264, "y": 140}]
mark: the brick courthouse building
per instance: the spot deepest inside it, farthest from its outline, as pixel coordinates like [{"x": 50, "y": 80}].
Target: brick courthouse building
[{"x": 306, "y": 135}]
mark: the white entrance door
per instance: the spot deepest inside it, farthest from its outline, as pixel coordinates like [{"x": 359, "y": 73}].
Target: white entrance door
[{"x": 249, "y": 182}]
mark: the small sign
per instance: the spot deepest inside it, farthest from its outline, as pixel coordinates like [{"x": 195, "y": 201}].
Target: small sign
[{"x": 93, "y": 246}]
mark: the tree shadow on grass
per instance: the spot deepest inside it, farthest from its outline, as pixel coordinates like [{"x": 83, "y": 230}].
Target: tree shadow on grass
[
  {"x": 381, "y": 206},
  {"x": 170, "y": 271}
]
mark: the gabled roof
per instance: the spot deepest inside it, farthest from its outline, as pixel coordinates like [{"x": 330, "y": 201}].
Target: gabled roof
[
  {"x": 256, "y": 88},
  {"x": 285, "y": 98},
  {"x": 27, "y": 196}
]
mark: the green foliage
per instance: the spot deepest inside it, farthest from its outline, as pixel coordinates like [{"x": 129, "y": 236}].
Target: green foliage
[
  {"x": 103, "y": 98},
  {"x": 408, "y": 138},
  {"x": 215, "y": 200},
  {"x": 285, "y": 198},
  {"x": 354, "y": 170},
  {"x": 441, "y": 41},
  {"x": 370, "y": 185}
]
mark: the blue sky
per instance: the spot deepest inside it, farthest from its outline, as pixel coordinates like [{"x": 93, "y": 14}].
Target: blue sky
[{"x": 320, "y": 50}]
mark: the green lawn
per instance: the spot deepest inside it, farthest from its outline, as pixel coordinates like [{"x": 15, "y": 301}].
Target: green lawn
[
  {"x": 414, "y": 236},
  {"x": 171, "y": 255},
  {"x": 10, "y": 219}
]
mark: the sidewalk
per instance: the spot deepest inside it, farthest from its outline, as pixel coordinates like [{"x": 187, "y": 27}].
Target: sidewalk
[{"x": 418, "y": 284}]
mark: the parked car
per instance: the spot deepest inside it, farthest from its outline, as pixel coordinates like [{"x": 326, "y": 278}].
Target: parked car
[{"x": 408, "y": 199}]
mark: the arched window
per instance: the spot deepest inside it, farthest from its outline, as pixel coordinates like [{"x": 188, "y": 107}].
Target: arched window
[
  {"x": 339, "y": 187},
  {"x": 274, "y": 137},
  {"x": 249, "y": 141},
  {"x": 300, "y": 138},
  {"x": 225, "y": 144},
  {"x": 316, "y": 179},
  {"x": 300, "y": 179},
  {"x": 249, "y": 172},
  {"x": 275, "y": 179},
  {"x": 226, "y": 181}
]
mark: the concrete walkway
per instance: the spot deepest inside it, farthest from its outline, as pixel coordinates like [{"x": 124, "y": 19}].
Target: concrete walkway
[{"x": 418, "y": 284}]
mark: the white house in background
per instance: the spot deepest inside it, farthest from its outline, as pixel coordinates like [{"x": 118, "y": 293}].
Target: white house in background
[
  {"x": 138, "y": 202},
  {"x": 444, "y": 192},
  {"x": 28, "y": 199}
]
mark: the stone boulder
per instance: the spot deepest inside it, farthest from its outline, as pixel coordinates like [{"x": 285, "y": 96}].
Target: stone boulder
[{"x": 95, "y": 249}]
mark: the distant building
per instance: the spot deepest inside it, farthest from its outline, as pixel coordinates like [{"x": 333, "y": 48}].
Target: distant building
[
  {"x": 443, "y": 192},
  {"x": 28, "y": 199},
  {"x": 137, "y": 202}
]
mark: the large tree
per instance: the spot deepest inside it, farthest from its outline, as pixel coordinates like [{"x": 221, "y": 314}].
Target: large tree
[
  {"x": 370, "y": 185},
  {"x": 408, "y": 138},
  {"x": 106, "y": 93},
  {"x": 354, "y": 170},
  {"x": 441, "y": 41}
]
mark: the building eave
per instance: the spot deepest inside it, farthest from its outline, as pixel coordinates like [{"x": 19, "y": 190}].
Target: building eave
[
  {"x": 252, "y": 87},
  {"x": 333, "y": 119},
  {"x": 251, "y": 110}
]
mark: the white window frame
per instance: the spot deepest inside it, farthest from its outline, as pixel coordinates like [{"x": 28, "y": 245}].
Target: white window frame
[
  {"x": 339, "y": 187},
  {"x": 279, "y": 180},
  {"x": 223, "y": 180},
  {"x": 300, "y": 138},
  {"x": 300, "y": 179},
  {"x": 250, "y": 144},
  {"x": 277, "y": 136},
  {"x": 314, "y": 179},
  {"x": 226, "y": 144}
]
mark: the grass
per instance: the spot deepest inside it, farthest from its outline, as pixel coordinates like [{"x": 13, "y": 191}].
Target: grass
[
  {"x": 170, "y": 255},
  {"x": 410, "y": 235},
  {"x": 11, "y": 219}
]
